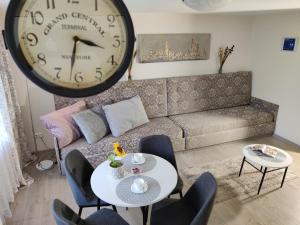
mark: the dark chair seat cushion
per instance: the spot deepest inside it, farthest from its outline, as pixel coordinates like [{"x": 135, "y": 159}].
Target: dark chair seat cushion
[
  {"x": 79, "y": 172},
  {"x": 177, "y": 212},
  {"x": 178, "y": 187},
  {"x": 93, "y": 202},
  {"x": 194, "y": 208},
  {"x": 161, "y": 145},
  {"x": 105, "y": 217}
]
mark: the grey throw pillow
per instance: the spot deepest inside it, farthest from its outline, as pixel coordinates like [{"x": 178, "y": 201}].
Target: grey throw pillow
[
  {"x": 125, "y": 115},
  {"x": 91, "y": 125},
  {"x": 100, "y": 112}
]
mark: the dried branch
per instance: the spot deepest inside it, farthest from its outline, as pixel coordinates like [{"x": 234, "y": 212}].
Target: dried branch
[{"x": 223, "y": 55}]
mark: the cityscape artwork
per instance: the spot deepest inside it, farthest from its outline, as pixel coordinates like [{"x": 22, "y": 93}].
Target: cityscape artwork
[{"x": 173, "y": 47}]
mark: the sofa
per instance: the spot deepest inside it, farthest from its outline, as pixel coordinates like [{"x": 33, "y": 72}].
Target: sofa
[{"x": 194, "y": 111}]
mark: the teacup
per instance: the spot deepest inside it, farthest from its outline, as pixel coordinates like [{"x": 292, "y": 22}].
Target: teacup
[
  {"x": 139, "y": 184},
  {"x": 138, "y": 157}
]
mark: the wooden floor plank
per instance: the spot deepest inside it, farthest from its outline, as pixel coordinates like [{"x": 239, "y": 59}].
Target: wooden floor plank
[{"x": 32, "y": 205}]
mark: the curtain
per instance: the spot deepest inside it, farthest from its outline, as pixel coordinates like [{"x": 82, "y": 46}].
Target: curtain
[{"x": 13, "y": 146}]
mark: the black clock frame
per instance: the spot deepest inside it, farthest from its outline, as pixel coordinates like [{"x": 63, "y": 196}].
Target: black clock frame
[{"x": 12, "y": 42}]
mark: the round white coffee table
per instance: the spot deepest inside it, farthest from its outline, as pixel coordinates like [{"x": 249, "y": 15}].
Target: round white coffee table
[
  {"x": 107, "y": 188},
  {"x": 252, "y": 154}
]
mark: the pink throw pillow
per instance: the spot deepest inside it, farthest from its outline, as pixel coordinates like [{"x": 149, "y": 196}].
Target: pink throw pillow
[{"x": 61, "y": 124}]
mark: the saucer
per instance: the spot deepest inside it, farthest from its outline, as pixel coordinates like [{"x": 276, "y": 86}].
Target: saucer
[
  {"x": 139, "y": 191},
  {"x": 138, "y": 163}
]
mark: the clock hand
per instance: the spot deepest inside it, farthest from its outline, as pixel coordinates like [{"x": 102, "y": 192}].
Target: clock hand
[
  {"x": 90, "y": 43},
  {"x": 75, "y": 39}
]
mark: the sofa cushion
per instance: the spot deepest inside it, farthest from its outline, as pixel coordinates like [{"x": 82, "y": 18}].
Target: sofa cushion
[
  {"x": 129, "y": 141},
  {"x": 62, "y": 126},
  {"x": 207, "y": 92},
  {"x": 91, "y": 125},
  {"x": 218, "y": 120},
  {"x": 208, "y": 139},
  {"x": 152, "y": 92},
  {"x": 125, "y": 115}
]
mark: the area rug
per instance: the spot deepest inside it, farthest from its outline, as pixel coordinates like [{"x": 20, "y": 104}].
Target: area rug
[{"x": 230, "y": 185}]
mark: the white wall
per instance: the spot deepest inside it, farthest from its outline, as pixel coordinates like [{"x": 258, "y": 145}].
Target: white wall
[
  {"x": 23, "y": 99},
  {"x": 276, "y": 73},
  {"x": 257, "y": 39},
  {"x": 239, "y": 6},
  {"x": 225, "y": 30}
]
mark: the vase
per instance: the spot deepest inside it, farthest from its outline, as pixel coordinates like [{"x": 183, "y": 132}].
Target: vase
[
  {"x": 118, "y": 172},
  {"x": 221, "y": 69}
]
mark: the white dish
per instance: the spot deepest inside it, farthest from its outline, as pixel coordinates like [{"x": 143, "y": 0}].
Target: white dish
[
  {"x": 136, "y": 191},
  {"x": 143, "y": 160}
]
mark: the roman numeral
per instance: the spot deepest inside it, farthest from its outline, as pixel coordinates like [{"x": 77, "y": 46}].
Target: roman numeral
[
  {"x": 73, "y": 1},
  {"x": 50, "y": 4}
]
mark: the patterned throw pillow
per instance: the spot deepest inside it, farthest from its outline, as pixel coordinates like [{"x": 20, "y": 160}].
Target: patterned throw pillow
[{"x": 61, "y": 124}]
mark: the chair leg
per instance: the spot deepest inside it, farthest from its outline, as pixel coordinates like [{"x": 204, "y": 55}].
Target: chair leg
[
  {"x": 114, "y": 208},
  {"x": 147, "y": 211},
  {"x": 98, "y": 204},
  {"x": 144, "y": 210},
  {"x": 80, "y": 211},
  {"x": 79, "y": 215},
  {"x": 180, "y": 194}
]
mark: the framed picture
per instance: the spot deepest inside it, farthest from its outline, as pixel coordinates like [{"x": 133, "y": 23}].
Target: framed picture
[
  {"x": 290, "y": 44},
  {"x": 173, "y": 47}
]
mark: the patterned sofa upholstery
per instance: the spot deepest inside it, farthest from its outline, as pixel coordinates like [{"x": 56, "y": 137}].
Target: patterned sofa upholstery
[
  {"x": 97, "y": 153},
  {"x": 194, "y": 111},
  {"x": 213, "y": 109},
  {"x": 154, "y": 97},
  {"x": 208, "y": 92},
  {"x": 223, "y": 125}
]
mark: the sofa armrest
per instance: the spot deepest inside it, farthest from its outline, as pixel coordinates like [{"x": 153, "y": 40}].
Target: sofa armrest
[{"x": 266, "y": 106}]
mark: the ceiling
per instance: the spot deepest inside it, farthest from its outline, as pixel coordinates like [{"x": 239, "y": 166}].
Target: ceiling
[{"x": 236, "y": 6}]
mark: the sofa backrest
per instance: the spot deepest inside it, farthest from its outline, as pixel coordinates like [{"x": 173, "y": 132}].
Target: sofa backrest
[
  {"x": 177, "y": 95},
  {"x": 152, "y": 92},
  {"x": 207, "y": 92}
]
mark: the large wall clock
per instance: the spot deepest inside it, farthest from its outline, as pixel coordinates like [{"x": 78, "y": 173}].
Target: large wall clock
[{"x": 72, "y": 48}]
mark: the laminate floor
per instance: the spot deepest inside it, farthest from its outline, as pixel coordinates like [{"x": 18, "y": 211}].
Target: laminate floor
[{"x": 32, "y": 205}]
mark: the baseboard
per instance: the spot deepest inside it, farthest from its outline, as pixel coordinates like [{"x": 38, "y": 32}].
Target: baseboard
[{"x": 286, "y": 140}]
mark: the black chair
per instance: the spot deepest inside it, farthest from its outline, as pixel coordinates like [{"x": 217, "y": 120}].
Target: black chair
[
  {"x": 161, "y": 145},
  {"x": 79, "y": 172},
  {"x": 193, "y": 209},
  {"x": 64, "y": 215}
]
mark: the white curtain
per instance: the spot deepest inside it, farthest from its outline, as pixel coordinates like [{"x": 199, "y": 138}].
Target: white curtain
[
  {"x": 10, "y": 170},
  {"x": 13, "y": 146}
]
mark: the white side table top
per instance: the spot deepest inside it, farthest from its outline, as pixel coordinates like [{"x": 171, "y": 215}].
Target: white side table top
[
  {"x": 282, "y": 160},
  {"x": 104, "y": 185}
]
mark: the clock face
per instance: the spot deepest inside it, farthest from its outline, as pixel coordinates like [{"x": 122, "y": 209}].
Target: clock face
[{"x": 72, "y": 47}]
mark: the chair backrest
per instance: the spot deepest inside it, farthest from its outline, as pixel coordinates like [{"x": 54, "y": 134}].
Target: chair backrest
[
  {"x": 63, "y": 214},
  {"x": 78, "y": 173},
  {"x": 159, "y": 145},
  {"x": 201, "y": 197}
]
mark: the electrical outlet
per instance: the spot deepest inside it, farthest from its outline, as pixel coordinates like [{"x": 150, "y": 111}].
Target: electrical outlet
[{"x": 39, "y": 135}]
